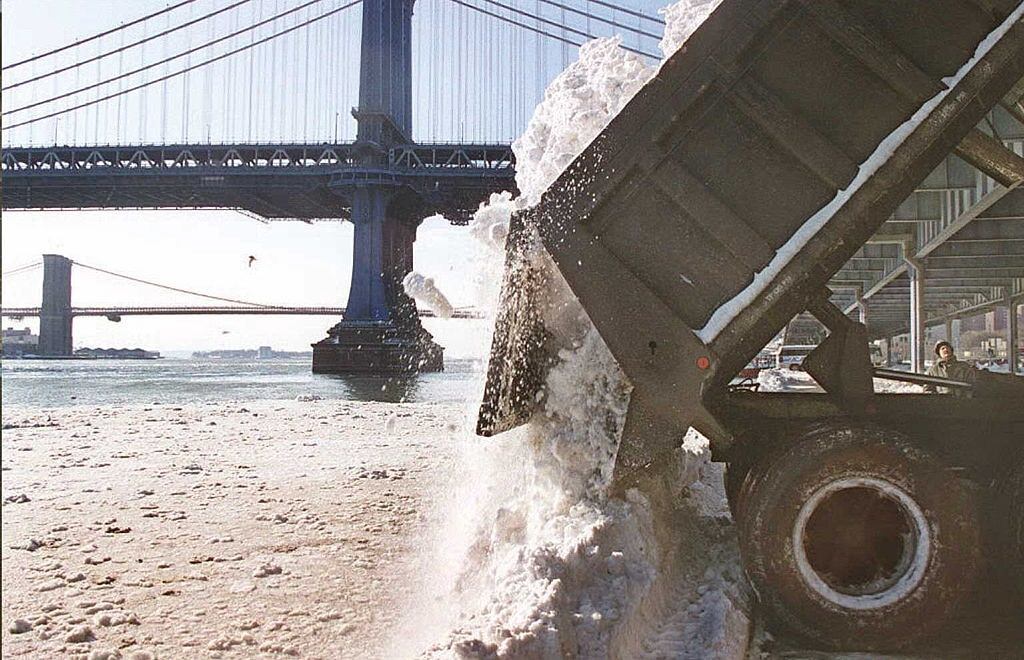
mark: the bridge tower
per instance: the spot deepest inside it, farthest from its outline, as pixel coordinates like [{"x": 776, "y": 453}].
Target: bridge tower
[
  {"x": 55, "y": 311},
  {"x": 381, "y": 332}
]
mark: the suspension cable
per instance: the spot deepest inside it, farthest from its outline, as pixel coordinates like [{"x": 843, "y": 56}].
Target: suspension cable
[
  {"x": 171, "y": 288},
  {"x": 97, "y": 36},
  {"x": 539, "y": 31},
  {"x": 185, "y": 70},
  {"x": 125, "y": 47},
  {"x": 526, "y": 14},
  {"x": 631, "y": 12},
  {"x": 22, "y": 269},
  {"x": 601, "y": 19},
  {"x": 171, "y": 58}
]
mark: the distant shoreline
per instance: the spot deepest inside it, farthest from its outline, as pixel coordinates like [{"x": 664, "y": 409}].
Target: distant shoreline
[{"x": 83, "y": 357}]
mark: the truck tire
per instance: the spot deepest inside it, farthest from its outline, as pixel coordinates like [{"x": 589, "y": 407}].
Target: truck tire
[
  {"x": 735, "y": 474},
  {"x": 856, "y": 539},
  {"x": 1011, "y": 521}
]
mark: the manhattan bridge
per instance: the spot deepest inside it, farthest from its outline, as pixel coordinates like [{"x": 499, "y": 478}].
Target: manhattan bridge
[{"x": 364, "y": 110}]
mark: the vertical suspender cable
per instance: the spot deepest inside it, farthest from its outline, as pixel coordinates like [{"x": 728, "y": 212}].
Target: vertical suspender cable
[
  {"x": 250, "y": 93},
  {"x": 339, "y": 35},
  {"x": 275, "y": 88},
  {"x": 521, "y": 84},
  {"x": 510, "y": 75},
  {"x": 306, "y": 96},
  {"x": 236, "y": 82},
  {"x": 96, "y": 109},
  {"x": 186, "y": 85},
  {"x": 121, "y": 102},
  {"x": 208, "y": 95},
  {"x": 315, "y": 100},
  {"x": 163, "y": 102},
  {"x": 143, "y": 97},
  {"x": 319, "y": 53},
  {"x": 78, "y": 76},
  {"x": 293, "y": 73},
  {"x": 479, "y": 93},
  {"x": 433, "y": 91},
  {"x": 342, "y": 83},
  {"x": 460, "y": 86},
  {"x": 95, "y": 117}
]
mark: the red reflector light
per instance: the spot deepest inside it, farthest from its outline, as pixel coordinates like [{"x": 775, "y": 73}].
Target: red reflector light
[{"x": 703, "y": 362}]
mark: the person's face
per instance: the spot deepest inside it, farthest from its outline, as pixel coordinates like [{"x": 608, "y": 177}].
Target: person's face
[{"x": 945, "y": 352}]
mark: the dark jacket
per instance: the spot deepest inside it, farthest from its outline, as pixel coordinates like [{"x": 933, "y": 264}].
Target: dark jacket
[{"x": 953, "y": 369}]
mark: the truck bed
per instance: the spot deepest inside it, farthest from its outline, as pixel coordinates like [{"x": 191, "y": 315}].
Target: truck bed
[{"x": 764, "y": 153}]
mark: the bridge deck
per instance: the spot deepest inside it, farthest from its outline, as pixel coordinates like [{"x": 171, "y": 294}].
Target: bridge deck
[{"x": 274, "y": 181}]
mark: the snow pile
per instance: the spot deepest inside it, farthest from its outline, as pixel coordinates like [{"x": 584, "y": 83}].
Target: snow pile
[
  {"x": 424, "y": 290},
  {"x": 895, "y": 387},
  {"x": 681, "y": 20},
  {"x": 577, "y": 105},
  {"x": 537, "y": 558},
  {"x": 785, "y": 380},
  {"x": 780, "y": 380}
]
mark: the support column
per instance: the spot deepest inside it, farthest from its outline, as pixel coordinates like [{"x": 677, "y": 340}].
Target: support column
[
  {"x": 917, "y": 348},
  {"x": 888, "y": 352},
  {"x": 862, "y": 306},
  {"x": 381, "y": 332},
  {"x": 55, "y": 311},
  {"x": 1012, "y": 346}
]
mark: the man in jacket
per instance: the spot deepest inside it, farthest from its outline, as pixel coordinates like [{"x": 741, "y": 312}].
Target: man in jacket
[{"x": 948, "y": 366}]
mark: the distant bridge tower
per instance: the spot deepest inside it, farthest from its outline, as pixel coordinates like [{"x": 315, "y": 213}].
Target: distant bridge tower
[
  {"x": 55, "y": 311},
  {"x": 381, "y": 332}
]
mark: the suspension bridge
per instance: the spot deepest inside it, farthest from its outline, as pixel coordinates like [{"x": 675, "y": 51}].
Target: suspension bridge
[
  {"x": 366, "y": 112},
  {"x": 295, "y": 64},
  {"x": 56, "y": 312}
]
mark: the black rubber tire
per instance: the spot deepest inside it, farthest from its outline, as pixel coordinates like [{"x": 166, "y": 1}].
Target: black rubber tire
[
  {"x": 1010, "y": 521},
  {"x": 735, "y": 474},
  {"x": 936, "y": 582},
  {"x": 753, "y": 451}
]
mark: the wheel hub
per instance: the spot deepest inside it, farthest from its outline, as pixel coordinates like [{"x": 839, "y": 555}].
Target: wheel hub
[{"x": 861, "y": 542}]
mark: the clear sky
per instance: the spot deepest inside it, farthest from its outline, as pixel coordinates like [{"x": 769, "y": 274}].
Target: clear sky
[{"x": 297, "y": 263}]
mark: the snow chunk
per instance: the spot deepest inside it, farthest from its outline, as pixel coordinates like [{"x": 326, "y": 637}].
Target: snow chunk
[
  {"x": 424, "y": 290},
  {"x": 577, "y": 105},
  {"x": 681, "y": 20}
]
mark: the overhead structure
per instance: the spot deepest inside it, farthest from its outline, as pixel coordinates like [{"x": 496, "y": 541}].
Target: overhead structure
[{"x": 954, "y": 248}]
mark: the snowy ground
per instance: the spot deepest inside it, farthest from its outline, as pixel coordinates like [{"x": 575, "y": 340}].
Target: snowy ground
[
  {"x": 269, "y": 528},
  {"x": 316, "y": 529}
]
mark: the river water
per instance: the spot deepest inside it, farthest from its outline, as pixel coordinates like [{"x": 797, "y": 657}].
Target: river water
[{"x": 50, "y": 383}]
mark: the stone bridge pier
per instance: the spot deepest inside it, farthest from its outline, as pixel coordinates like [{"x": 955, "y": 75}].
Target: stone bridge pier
[
  {"x": 381, "y": 332},
  {"x": 55, "y": 312}
]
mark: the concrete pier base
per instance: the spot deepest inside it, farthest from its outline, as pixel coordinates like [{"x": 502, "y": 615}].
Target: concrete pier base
[{"x": 377, "y": 348}]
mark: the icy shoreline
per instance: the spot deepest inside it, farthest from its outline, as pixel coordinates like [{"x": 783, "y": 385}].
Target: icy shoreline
[{"x": 266, "y": 528}]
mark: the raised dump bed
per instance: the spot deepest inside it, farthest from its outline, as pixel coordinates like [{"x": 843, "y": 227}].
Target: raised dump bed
[{"x": 714, "y": 208}]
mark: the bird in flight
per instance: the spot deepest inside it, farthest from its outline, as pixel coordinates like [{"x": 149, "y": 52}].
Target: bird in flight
[{"x": 251, "y": 259}]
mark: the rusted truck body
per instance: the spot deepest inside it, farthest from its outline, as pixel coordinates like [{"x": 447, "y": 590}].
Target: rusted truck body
[{"x": 714, "y": 209}]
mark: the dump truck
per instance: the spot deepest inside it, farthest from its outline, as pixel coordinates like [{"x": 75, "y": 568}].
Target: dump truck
[{"x": 716, "y": 207}]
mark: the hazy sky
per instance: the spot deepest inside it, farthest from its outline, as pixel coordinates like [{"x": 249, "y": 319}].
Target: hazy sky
[
  {"x": 297, "y": 263},
  {"x": 207, "y": 251}
]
